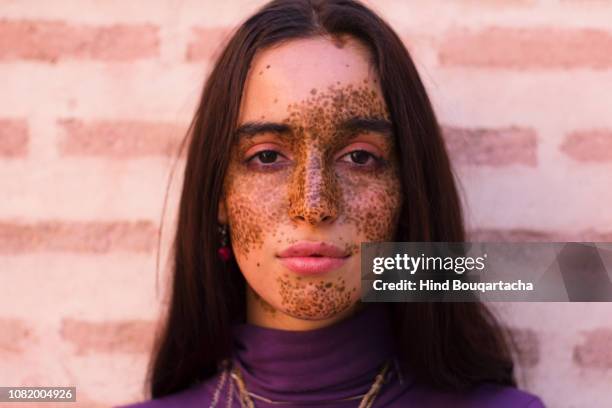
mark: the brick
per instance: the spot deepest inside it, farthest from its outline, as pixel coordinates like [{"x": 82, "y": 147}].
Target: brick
[
  {"x": 49, "y": 41},
  {"x": 14, "y": 138},
  {"x": 492, "y": 147},
  {"x": 517, "y": 48},
  {"x": 14, "y": 333},
  {"x": 592, "y": 235},
  {"x": 589, "y": 145},
  {"x": 84, "y": 237},
  {"x": 206, "y": 42},
  {"x": 120, "y": 139},
  {"x": 596, "y": 349},
  {"x": 527, "y": 346},
  {"x": 69, "y": 278},
  {"x": 130, "y": 336}
]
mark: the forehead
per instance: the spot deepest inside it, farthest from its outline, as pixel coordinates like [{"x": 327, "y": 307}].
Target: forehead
[{"x": 293, "y": 71}]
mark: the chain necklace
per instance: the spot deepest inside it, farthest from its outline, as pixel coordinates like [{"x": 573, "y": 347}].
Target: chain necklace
[{"x": 246, "y": 397}]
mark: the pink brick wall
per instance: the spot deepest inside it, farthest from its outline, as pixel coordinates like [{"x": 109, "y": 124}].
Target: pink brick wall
[{"x": 96, "y": 95}]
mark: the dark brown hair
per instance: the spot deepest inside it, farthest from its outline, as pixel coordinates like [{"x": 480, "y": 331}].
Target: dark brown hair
[{"x": 446, "y": 345}]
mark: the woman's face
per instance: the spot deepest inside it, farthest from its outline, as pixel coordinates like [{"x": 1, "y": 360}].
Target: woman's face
[{"x": 314, "y": 162}]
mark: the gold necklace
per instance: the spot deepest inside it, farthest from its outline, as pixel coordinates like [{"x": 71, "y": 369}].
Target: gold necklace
[{"x": 367, "y": 399}]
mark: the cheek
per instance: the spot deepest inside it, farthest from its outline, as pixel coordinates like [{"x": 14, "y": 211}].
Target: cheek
[
  {"x": 373, "y": 206},
  {"x": 255, "y": 209}
]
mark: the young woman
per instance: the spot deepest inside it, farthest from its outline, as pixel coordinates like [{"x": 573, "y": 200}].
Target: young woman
[{"x": 314, "y": 133}]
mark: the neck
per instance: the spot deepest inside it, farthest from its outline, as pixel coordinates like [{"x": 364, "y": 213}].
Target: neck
[
  {"x": 261, "y": 313},
  {"x": 310, "y": 366}
]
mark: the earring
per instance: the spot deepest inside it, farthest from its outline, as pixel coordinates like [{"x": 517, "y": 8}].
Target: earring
[{"x": 224, "y": 251}]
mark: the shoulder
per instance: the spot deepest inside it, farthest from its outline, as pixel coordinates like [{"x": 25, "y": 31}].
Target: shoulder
[
  {"x": 483, "y": 396},
  {"x": 195, "y": 396}
]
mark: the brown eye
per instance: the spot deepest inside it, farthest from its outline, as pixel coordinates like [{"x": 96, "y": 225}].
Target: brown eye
[
  {"x": 267, "y": 156},
  {"x": 267, "y": 160},
  {"x": 360, "y": 156}
]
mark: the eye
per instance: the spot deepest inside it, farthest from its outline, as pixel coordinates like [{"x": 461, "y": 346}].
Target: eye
[
  {"x": 266, "y": 156},
  {"x": 265, "y": 159},
  {"x": 361, "y": 157}
]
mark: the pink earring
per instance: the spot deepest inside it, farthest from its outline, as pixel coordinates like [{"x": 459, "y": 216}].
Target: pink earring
[{"x": 225, "y": 252}]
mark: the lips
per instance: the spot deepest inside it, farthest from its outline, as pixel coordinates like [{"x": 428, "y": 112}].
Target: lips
[
  {"x": 309, "y": 258},
  {"x": 312, "y": 248}
]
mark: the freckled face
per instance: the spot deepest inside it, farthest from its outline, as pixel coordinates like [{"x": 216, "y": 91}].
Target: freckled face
[{"x": 317, "y": 177}]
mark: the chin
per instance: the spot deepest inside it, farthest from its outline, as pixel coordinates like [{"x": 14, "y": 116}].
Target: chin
[{"x": 319, "y": 311}]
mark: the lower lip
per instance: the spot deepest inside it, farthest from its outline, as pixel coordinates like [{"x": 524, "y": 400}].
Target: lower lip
[{"x": 312, "y": 265}]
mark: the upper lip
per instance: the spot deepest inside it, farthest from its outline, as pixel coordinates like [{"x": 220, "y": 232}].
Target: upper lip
[{"x": 313, "y": 248}]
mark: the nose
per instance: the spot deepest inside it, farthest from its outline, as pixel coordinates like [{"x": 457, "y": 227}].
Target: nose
[{"x": 314, "y": 195}]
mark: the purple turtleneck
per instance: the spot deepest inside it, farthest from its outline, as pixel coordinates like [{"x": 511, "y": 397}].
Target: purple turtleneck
[{"x": 316, "y": 368}]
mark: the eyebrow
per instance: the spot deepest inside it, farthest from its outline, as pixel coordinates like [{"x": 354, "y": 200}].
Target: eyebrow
[
  {"x": 368, "y": 124},
  {"x": 354, "y": 124}
]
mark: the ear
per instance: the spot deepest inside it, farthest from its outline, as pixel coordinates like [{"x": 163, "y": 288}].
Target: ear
[{"x": 222, "y": 211}]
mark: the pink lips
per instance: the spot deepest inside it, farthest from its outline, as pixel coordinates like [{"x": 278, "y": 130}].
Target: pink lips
[{"x": 310, "y": 258}]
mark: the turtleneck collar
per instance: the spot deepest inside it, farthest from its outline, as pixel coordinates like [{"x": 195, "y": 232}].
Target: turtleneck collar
[{"x": 337, "y": 361}]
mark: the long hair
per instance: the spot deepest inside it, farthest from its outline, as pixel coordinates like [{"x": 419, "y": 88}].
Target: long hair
[{"x": 446, "y": 345}]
